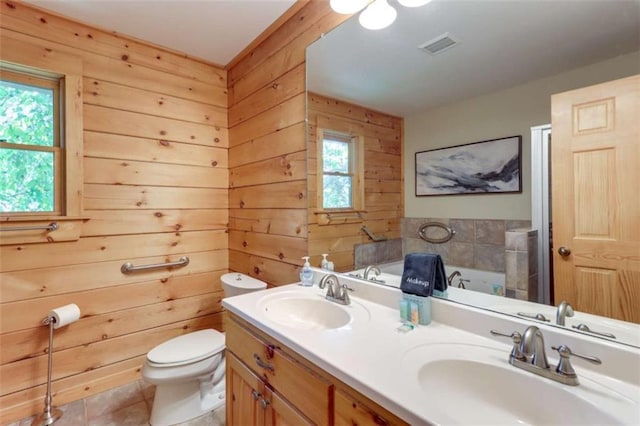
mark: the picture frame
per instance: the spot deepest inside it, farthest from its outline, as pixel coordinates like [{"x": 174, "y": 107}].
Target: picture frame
[{"x": 485, "y": 167}]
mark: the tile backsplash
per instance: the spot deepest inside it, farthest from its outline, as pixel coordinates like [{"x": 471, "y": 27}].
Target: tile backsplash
[{"x": 378, "y": 252}]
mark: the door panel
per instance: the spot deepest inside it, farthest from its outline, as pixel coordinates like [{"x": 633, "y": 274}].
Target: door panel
[
  {"x": 281, "y": 413},
  {"x": 595, "y": 198}
]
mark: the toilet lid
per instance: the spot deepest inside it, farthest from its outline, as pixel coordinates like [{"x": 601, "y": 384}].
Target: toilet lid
[
  {"x": 189, "y": 347},
  {"x": 243, "y": 281}
]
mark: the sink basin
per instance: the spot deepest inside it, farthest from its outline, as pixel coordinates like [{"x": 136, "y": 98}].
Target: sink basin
[
  {"x": 474, "y": 384},
  {"x": 309, "y": 312}
]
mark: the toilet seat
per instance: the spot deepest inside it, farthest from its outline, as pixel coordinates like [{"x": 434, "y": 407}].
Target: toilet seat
[{"x": 186, "y": 349}]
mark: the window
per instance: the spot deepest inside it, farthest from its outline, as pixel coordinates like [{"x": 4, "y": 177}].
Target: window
[
  {"x": 30, "y": 147},
  {"x": 41, "y": 154},
  {"x": 340, "y": 171}
]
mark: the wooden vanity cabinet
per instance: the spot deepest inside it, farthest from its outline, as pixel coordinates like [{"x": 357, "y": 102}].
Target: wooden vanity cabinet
[
  {"x": 251, "y": 402},
  {"x": 270, "y": 384},
  {"x": 266, "y": 385}
]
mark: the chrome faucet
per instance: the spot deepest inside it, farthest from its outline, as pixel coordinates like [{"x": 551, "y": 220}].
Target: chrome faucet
[
  {"x": 461, "y": 283},
  {"x": 336, "y": 292},
  {"x": 453, "y": 275},
  {"x": 528, "y": 353},
  {"x": 564, "y": 310},
  {"x": 371, "y": 268},
  {"x": 532, "y": 347}
]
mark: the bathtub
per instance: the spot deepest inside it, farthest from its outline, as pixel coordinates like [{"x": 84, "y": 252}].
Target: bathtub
[{"x": 481, "y": 281}]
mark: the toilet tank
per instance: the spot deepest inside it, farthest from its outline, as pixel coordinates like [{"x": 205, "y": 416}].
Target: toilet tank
[{"x": 235, "y": 284}]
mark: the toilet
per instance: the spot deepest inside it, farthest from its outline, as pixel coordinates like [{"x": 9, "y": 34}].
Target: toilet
[{"x": 188, "y": 370}]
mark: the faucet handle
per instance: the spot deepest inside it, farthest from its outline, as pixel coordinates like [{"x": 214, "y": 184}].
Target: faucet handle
[
  {"x": 538, "y": 316},
  {"x": 517, "y": 339},
  {"x": 344, "y": 293},
  {"x": 564, "y": 365}
]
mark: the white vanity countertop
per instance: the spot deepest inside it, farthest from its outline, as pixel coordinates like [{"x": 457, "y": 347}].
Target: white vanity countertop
[{"x": 370, "y": 354}]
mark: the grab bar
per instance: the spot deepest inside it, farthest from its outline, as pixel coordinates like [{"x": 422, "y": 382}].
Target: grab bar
[
  {"x": 422, "y": 232},
  {"x": 50, "y": 227},
  {"x": 371, "y": 235},
  {"x": 128, "y": 267}
]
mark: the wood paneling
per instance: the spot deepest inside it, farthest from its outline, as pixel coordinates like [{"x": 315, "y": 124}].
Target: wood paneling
[
  {"x": 111, "y": 95},
  {"x": 156, "y": 182},
  {"x": 102, "y": 119},
  {"x": 383, "y": 202},
  {"x": 159, "y": 154},
  {"x": 105, "y": 145},
  {"x": 290, "y": 139},
  {"x": 85, "y": 38},
  {"x": 124, "y": 197},
  {"x": 120, "y": 222},
  {"x": 268, "y": 148}
]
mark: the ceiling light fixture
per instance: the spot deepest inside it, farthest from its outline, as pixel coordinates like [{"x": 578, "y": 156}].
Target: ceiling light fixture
[
  {"x": 413, "y": 3},
  {"x": 347, "y": 7},
  {"x": 378, "y": 15}
]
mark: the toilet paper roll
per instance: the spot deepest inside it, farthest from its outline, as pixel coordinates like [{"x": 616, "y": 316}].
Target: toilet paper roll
[{"x": 65, "y": 315}]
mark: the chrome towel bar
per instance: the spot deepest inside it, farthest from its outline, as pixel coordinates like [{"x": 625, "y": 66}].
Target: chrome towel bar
[
  {"x": 50, "y": 227},
  {"x": 422, "y": 232},
  {"x": 128, "y": 267}
]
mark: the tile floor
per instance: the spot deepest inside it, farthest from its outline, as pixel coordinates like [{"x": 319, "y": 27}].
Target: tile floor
[{"x": 128, "y": 405}]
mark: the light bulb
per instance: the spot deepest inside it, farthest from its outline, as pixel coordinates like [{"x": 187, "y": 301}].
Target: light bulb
[
  {"x": 348, "y": 7},
  {"x": 378, "y": 15},
  {"x": 413, "y": 3}
]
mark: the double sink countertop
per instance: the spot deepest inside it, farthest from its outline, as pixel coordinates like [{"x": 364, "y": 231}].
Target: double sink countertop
[{"x": 392, "y": 368}]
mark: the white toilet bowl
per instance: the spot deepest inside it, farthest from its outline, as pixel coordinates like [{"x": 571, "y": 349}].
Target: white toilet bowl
[{"x": 188, "y": 370}]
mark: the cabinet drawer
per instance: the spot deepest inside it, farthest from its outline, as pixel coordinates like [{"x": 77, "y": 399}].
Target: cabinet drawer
[
  {"x": 351, "y": 411},
  {"x": 308, "y": 392}
]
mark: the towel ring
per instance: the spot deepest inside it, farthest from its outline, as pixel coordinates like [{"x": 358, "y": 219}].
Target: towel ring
[{"x": 422, "y": 232}]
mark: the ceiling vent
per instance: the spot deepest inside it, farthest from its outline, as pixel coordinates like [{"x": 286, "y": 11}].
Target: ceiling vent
[{"x": 439, "y": 44}]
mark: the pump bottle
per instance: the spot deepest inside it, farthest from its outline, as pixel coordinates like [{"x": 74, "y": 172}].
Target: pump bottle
[{"x": 306, "y": 273}]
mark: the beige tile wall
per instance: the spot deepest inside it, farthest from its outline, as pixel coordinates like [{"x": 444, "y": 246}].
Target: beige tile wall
[{"x": 506, "y": 246}]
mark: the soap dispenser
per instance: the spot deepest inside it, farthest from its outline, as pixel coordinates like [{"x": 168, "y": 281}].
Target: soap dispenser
[
  {"x": 325, "y": 263},
  {"x": 306, "y": 274}
]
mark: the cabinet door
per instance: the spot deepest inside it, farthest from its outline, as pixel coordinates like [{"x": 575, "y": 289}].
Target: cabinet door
[
  {"x": 280, "y": 413},
  {"x": 244, "y": 395}
]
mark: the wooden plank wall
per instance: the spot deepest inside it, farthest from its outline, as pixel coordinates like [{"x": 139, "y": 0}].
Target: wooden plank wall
[
  {"x": 155, "y": 188},
  {"x": 384, "y": 185},
  {"x": 268, "y": 197}
]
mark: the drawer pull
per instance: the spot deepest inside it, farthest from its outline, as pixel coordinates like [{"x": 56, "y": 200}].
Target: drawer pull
[
  {"x": 379, "y": 420},
  {"x": 264, "y": 403},
  {"x": 256, "y": 395},
  {"x": 263, "y": 364}
]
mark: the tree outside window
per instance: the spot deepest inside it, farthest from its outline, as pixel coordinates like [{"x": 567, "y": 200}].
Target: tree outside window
[
  {"x": 341, "y": 179},
  {"x": 29, "y": 144}
]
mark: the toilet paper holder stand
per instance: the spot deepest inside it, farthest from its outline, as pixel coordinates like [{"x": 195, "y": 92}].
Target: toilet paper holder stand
[{"x": 51, "y": 414}]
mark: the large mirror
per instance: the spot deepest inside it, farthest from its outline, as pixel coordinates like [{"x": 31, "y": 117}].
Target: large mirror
[{"x": 500, "y": 64}]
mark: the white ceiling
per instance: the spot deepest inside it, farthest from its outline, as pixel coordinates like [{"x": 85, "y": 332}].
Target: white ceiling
[
  {"x": 214, "y": 30},
  {"x": 502, "y": 44}
]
